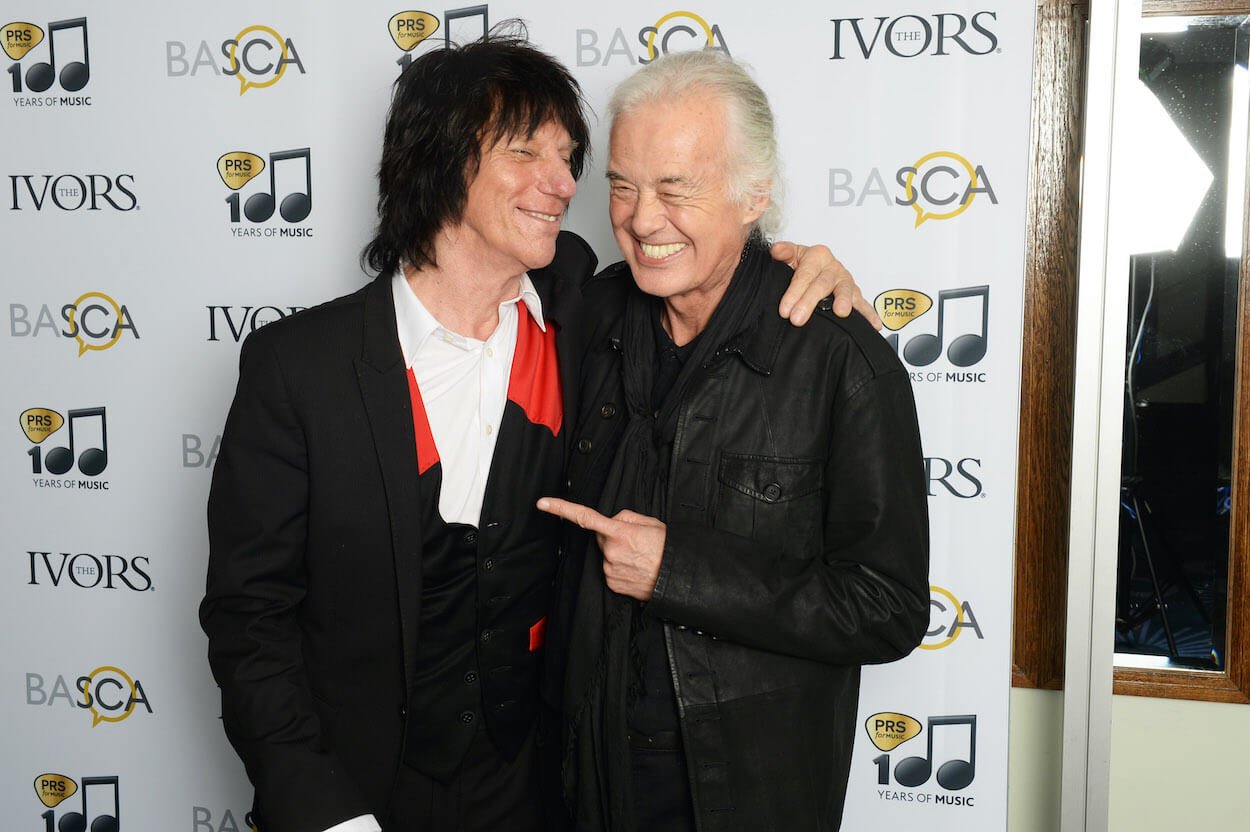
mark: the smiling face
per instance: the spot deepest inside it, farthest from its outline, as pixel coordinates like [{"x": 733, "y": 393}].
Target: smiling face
[
  {"x": 516, "y": 201},
  {"x": 672, "y": 216}
]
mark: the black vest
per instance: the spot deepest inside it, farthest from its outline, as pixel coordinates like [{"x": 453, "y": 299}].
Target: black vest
[{"x": 486, "y": 591}]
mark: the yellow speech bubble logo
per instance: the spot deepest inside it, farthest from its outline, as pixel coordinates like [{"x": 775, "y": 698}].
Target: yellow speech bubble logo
[
  {"x": 38, "y": 423},
  {"x": 244, "y": 83},
  {"x": 888, "y": 730},
  {"x": 909, "y": 187},
  {"x": 54, "y": 788},
  {"x": 410, "y": 28},
  {"x": 238, "y": 167},
  {"x": 127, "y": 690},
  {"x": 899, "y": 307},
  {"x": 19, "y": 38},
  {"x": 954, "y": 631},
  {"x": 74, "y": 312},
  {"x": 659, "y": 24}
]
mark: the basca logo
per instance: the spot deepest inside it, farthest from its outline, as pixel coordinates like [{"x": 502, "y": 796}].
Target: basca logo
[
  {"x": 84, "y": 453},
  {"x": 203, "y": 819},
  {"x": 239, "y": 167},
  {"x": 959, "y": 478},
  {"x": 950, "y": 747},
  {"x": 960, "y": 331},
  {"x": 913, "y": 35},
  {"x": 257, "y": 56},
  {"x": 409, "y": 29},
  {"x": 194, "y": 454},
  {"x": 678, "y": 31},
  {"x": 98, "y": 809},
  {"x": 20, "y": 40},
  {"x": 87, "y": 571},
  {"x": 948, "y": 618},
  {"x": 109, "y": 693},
  {"x": 72, "y": 192},
  {"x": 95, "y": 320},
  {"x": 939, "y": 186},
  {"x": 235, "y": 322}
]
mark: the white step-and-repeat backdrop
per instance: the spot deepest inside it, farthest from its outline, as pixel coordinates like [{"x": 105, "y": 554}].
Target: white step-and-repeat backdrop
[{"x": 153, "y": 154}]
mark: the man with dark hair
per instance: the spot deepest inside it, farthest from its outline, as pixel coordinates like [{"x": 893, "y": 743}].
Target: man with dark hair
[{"x": 378, "y": 574}]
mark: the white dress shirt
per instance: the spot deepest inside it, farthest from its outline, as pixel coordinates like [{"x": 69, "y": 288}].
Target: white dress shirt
[{"x": 464, "y": 386}]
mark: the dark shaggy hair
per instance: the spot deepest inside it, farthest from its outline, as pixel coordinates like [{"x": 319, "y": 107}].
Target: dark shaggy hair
[{"x": 445, "y": 106}]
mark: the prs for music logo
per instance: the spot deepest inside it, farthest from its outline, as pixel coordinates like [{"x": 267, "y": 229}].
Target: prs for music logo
[
  {"x": 18, "y": 39},
  {"x": 86, "y": 448},
  {"x": 956, "y": 746},
  {"x": 105, "y": 798},
  {"x": 677, "y": 31},
  {"x": 962, "y": 328},
  {"x": 408, "y": 29},
  {"x": 239, "y": 167},
  {"x": 937, "y": 186},
  {"x": 257, "y": 56}
]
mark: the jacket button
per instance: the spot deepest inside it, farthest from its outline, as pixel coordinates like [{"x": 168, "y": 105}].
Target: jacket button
[
  {"x": 485, "y": 636},
  {"x": 607, "y": 411},
  {"x": 584, "y": 446},
  {"x": 470, "y": 677},
  {"x": 488, "y": 564},
  {"x": 466, "y": 717},
  {"x": 825, "y": 304},
  {"x": 403, "y": 712},
  {"x": 772, "y": 492},
  {"x": 681, "y": 628}
]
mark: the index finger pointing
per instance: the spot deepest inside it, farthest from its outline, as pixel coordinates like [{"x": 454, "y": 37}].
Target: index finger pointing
[{"x": 583, "y": 516}]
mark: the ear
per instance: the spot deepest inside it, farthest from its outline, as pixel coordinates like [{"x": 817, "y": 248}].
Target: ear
[{"x": 755, "y": 205}]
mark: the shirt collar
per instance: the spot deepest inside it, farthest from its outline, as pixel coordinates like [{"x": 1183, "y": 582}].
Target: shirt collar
[{"x": 416, "y": 324}]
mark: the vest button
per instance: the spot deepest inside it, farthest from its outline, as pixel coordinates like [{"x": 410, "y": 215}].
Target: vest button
[
  {"x": 488, "y": 564},
  {"x": 584, "y": 446},
  {"x": 485, "y": 636},
  {"x": 466, "y": 717},
  {"x": 470, "y": 677},
  {"x": 607, "y": 411},
  {"x": 772, "y": 492},
  {"x": 469, "y": 539}
]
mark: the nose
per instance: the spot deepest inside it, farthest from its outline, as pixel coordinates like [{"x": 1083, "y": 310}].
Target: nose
[
  {"x": 647, "y": 216},
  {"x": 559, "y": 181}
]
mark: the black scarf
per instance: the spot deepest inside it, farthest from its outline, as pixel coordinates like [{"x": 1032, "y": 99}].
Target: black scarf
[{"x": 597, "y": 774}]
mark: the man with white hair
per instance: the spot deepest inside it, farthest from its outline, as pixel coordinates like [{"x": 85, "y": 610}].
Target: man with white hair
[{"x": 762, "y": 531}]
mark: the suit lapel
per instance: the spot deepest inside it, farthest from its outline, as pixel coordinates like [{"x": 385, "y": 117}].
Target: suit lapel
[{"x": 384, "y": 389}]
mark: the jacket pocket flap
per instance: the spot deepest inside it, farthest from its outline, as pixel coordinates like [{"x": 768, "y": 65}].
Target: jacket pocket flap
[{"x": 770, "y": 479}]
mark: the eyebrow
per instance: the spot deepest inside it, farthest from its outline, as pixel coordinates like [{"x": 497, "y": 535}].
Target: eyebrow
[{"x": 614, "y": 176}]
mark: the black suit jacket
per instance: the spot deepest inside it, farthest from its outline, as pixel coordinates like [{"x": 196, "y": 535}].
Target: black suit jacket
[{"x": 314, "y": 579}]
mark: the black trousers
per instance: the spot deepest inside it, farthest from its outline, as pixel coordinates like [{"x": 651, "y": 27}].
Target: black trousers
[
  {"x": 661, "y": 791},
  {"x": 488, "y": 794}
]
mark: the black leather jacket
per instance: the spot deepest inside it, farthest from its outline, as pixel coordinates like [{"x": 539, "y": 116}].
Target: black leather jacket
[{"x": 797, "y": 548}]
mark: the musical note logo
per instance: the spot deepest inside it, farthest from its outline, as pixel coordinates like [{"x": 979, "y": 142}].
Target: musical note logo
[
  {"x": 92, "y": 461},
  {"x": 952, "y": 775},
  {"x": 238, "y": 167},
  {"x": 74, "y": 74},
  {"x": 84, "y": 821},
  {"x": 965, "y": 350},
  {"x": 464, "y": 13}
]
